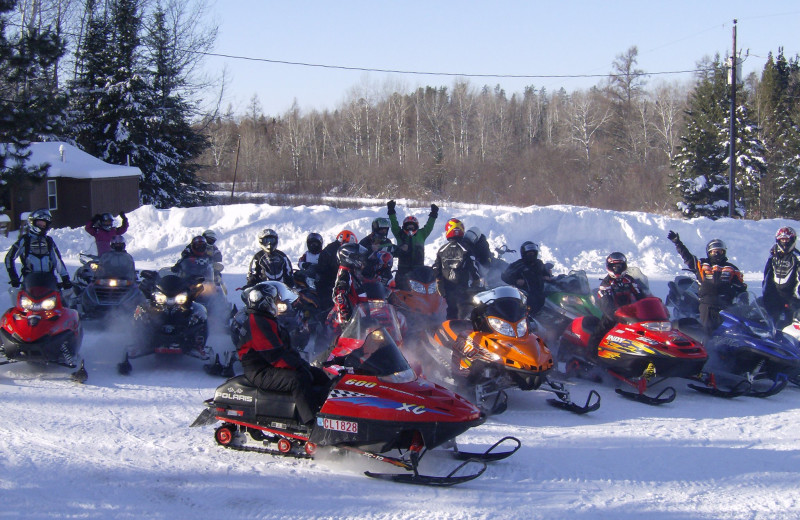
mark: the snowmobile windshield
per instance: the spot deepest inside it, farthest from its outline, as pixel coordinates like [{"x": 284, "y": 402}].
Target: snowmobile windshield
[
  {"x": 576, "y": 282},
  {"x": 646, "y": 309},
  {"x": 746, "y": 309},
  {"x": 422, "y": 274},
  {"x": 380, "y": 357},
  {"x": 373, "y": 291},
  {"x": 39, "y": 284},
  {"x": 191, "y": 267},
  {"x": 369, "y": 315},
  {"x": 508, "y": 309}
]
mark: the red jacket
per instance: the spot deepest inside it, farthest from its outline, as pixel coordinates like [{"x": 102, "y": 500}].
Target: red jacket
[{"x": 264, "y": 344}]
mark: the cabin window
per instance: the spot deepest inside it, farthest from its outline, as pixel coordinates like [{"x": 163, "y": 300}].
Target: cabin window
[{"x": 52, "y": 195}]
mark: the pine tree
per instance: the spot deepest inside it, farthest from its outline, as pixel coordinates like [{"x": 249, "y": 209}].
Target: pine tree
[
  {"x": 31, "y": 106},
  {"x": 751, "y": 164}
]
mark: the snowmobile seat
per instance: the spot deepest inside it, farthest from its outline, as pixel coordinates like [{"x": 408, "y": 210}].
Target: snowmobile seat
[{"x": 239, "y": 393}]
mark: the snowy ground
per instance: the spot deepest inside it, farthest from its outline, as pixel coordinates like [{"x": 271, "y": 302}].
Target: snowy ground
[{"x": 120, "y": 447}]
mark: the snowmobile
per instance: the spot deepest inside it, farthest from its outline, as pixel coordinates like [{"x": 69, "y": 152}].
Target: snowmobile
[
  {"x": 567, "y": 296},
  {"x": 40, "y": 329},
  {"x": 375, "y": 404},
  {"x": 641, "y": 350},
  {"x": 107, "y": 292},
  {"x": 495, "y": 351},
  {"x": 747, "y": 349},
  {"x": 84, "y": 275},
  {"x": 213, "y": 294},
  {"x": 419, "y": 299},
  {"x": 171, "y": 322}
]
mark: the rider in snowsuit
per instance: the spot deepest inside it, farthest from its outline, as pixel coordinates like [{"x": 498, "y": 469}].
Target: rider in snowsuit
[
  {"x": 528, "y": 273},
  {"x": 781, "y": 283},
  {"x": 101, "y": 227},
  {"x": 457, "y": 274},
  {"x": 270, "y": 263},
  {"x": 36, "y": 251},
  {"x": 410, "y": 250}
]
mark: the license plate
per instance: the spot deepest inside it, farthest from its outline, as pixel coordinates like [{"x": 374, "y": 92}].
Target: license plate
[{"x": 342, "y": 426}]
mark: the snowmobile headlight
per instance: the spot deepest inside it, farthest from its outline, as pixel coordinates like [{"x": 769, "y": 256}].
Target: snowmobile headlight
[
  {"x": 657, "y": 326},
  {"x": 49, "y": 304},
  {"x": 417, "y": 287},
  {"x": 26, "y": 303},
  {"x": 571, "y": 299},
  {"x": 94, "y": 266},
  {"x": 160, "y": 298},
  {"x": 522, "y": 328},
  {"x": 282, "y": 307},
  {"x": 181, "y": 298},
  {"x": 501, "y": 326},
  {"x": 433, "y": 288}
]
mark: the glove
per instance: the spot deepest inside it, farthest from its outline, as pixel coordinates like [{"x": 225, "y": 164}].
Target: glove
[
  {"x": 673, "y": 237},
  {"x": 66, "y": 283},
  {"x": 390, "y": 205},
  {"x": 434, "y": 211},
  {"x": 123, "y": 216},
  {"x": 14, "y": 282}
]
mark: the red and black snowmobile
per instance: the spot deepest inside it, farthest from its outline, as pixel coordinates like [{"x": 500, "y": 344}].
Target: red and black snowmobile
[
  {"x": 641, "y": 350},
  {"x": 374, "y": 405},
  {"x": 40, "y": 329}
]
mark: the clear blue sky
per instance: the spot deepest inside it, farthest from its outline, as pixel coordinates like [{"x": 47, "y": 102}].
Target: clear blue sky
[{"x": 503, "y": 37}]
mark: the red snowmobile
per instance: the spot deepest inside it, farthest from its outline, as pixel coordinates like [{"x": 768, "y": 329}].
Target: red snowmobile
[
  {"x": 40, "y": 329},
  {"x": 375, "y": 404},
  {"x": 641, "y": 350}
]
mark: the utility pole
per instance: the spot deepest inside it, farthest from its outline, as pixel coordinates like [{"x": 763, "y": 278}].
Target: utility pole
[
  {"x": 235, "y": 166},
  {"x": 732, "y": 174}
]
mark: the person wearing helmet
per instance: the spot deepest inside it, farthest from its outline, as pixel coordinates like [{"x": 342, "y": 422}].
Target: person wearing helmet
[
  {"x": 479, "y": 246},
  {"x": 270, "y": 263},
  {"x": 457, "y": 274},
  {"x": 528, "y": 273},
  {"x": 117, "y": 263},
  {"x": 378, "y": 267},
  {"x": 211, "y": 251},
  {"x": 720, "y": 281},
  {"x": 328, "y": 267},
  {"x": 36, "y": 251},
  {"x": 781, "y": 284},
  {"x": 378, "y": 240},
  {"x": 410, "y": 249},
  {"x": 313, "y": 250},
  {"x": 348, "y": 282},
  {"x": 618, "y": 288},
  {"x": 267, "y": 357},
  {"x": 101, "y": 227}
]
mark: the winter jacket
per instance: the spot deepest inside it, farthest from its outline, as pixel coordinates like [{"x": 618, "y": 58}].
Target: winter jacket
[
  {"x": 327, "y": 269},
  {"x": 102, "y": 237},
  {"x": 308, "y": 259},
  {"x": 456, "y": 269},
  {"x": 410, "y": 249},
  {"x": 345, "y": 294},
  {"x": 720, "y": 282},
  {"x": 37, "y": 253},
  {"x": 262, "y": 343},
  {"x": 613, "y": 293},
  {"x": 274, "y": 266},
  {"x": 532, "y": 276},
  {"x": 211, "y": 251},
  {"x": 782, "y": 274},
  {"x": 384, "y": 244}
]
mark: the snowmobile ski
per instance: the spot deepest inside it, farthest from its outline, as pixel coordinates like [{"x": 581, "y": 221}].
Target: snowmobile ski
[
  {"x": 711, "y": 388},
  {"x": 489, "y": 455},
  {"x": 665, "y": 396},
  {"x": 419, "y": 479},
  {"x": 565, "y": 403}
]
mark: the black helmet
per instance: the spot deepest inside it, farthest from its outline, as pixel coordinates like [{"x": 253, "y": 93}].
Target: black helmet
[
  {"x": 381, "y": 226},
  {"x": 785, "y": 238},
  {"x": 268, "y": 240},
  {"x": 716, "y": 250},
  {"x": 529, "y": 247},
  {"x": 39, "y": 221},
  {"x": 616, "y": 264},
  {"x": 210, "y": 236},
  {"x": 314, "y": 243},
  {"x": 199, "y": 245},
  {"x": 261, "y": 298},
  {"x": 118, "y": 243},
  {"x": 351, "y": 255}
]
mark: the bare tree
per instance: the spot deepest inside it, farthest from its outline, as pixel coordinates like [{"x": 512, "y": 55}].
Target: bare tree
[{"x": 585, "y": 117}]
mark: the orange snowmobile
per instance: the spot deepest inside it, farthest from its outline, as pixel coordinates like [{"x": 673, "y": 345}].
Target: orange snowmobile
[{"x": 495, "y": 350}]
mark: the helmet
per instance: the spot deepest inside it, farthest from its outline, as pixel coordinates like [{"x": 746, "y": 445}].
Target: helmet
[
  {"x": 383, "y": 260},
  {"x": 268, "y": 240},
  {"x": 346, "y": 237},
  {"x": 785, "y": 238},
  {"x": 39, "y": 221},
  {"x": 410, "y": 225},
  {"x": 351, "y": 255},
  {"x": 529, "y": 247},
  {"x": 616, "y": 264},
  {"x": 210, "y": 236},
  {"x": 106, "y": 221},
  {"x": 716, "y": 250},
  {"x": 261, "y": 298},
  {"x": 380, "y": 226},
  {"x": 199, "y": 245},
  {"x": 472, "y": 235},
  {"x": 453, "y": 229},
  {"x": 118, "y": 243},
  {"x": 314, "y": 243}
]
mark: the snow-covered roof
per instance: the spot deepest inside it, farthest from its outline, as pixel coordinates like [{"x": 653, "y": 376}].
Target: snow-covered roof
[{"x": 68, "y": 161}]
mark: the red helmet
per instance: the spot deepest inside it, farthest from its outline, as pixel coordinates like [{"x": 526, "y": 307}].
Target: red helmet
[
  {"x": 410, "y": 225},
  {"x": 346, "y": 237},
  {"x": 616, "y": 264},
  {"x": 453, "y": 229},
  {"x": 785, "y": 238}
]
